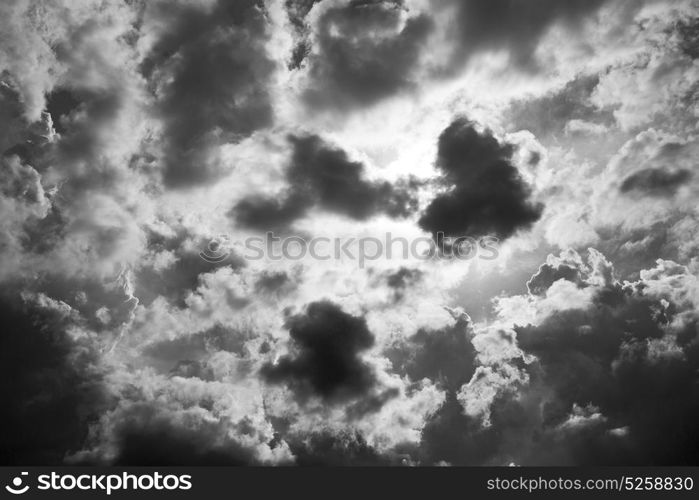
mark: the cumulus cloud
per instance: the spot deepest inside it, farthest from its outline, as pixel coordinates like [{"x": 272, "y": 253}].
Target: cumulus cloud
[
  {"x": 226, "y": 41},
  {"x": 655, "y": 181},
  {"x": 587, "y": 370},
  {"x": 568, "y": 109},
  {"x": 445, "y": 355},
  {"x": 484, "y": 192},
  {"x": 325, "y": 359},
  {"x": 654, "y": 166},
  {"x": 323, "y": 176},
  {"x": 362, "y": 52},
  {"x": 135, "y": 135},
  {"x": 55, "y": 380},
  {"x": 517, "y": 27},
  {"x": 596, "y": 359},
  {"x": 660, "y": 74}
]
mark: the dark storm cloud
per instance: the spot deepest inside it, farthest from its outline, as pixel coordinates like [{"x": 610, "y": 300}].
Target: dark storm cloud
[
  {"x": 639, "y": 248},
  {"x": 548, "y": 274},
  {"x": 87, "y": 108},
  {"x": 19, "y": 182},
  {"x": 322, "y": 175},
  {"x": 12, "y": 121},
  {"x": 401, "y": 280},
  {"x": 337, "y": 184},
  {"x": 271, "y": 281},
  {"x": 579, "y": 347},
  {"x": 513, "y": 25},
  {"x": 167, "y": 355},
  {"x": 42, "y": 235},
  {"x": 149, "y": 436},
  {"x": 87, "y": 296},
  {"x": 452, "y": 437},
  {"x": 210, "y": 68},
  {"x": 606, "y": 387},
  {"x": 607, "y": 358},
  {"x": 277, "y": 283},
  {"x": 659, "y": 182},
  {"x": 297, "y": 10},
  {"x": 50, "y": 391},
  {"x": 76, "y": 161},
  {"x": 60, "y": 103},
  {"x": 325, "y": 358},
  {"x": 181, "y": 277},
  {"x": 485, "y": 194},
  {"x": 298, "y": 54},
  {"x": 176, "y": 281},
  {"x": 83, "y": 139},
  {"x": 371, "y": 404},
  {"x": 689, "y": 36},
  {"x": 445, "y": 356},
  {"x": 549, "y": 114},
  {"x": 342, "y": 449},
  {"x": 262, "y": 212},
  {"x": 364, "y": 53},
  {"x": 17, "y": 136},
  {"x": 188, "y": 368}
]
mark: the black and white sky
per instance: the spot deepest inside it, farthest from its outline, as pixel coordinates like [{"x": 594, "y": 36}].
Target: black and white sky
[{"x": 134, "y": 132}]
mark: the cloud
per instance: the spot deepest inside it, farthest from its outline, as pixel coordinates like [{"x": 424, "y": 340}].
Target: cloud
[
  {"x": 656, "y": 81},
  {"x": 485, "y": 193},
  {"x": 337, "y": 449},
  {"x": 597, "y": 369},
  {"x": 172, "y": 265},
  {"x": 124, "y": 346},
  {"x": 580, "y": 386},
  {"x": 655, "y": 181},
  {"x": 596, "y": 359},
  {"x": 269, "y": 213},
  {"x": 148, "y": 437},
  {"x": 569, "y": 108},
  {"x": 60, "y": 103},
  {"x": 91, "y": 226},
  {"x": 325, "y": 358},
  {"x": 514, "y": 26},
  {"x": 219, "y": 419},
  {"x": 26, "y": 56},
  {"x": 563, "y": 283},
  {"x": 655, "y": 166},
  {"x": 568, "y": 266},
  {"x": 363, "y": 52},
  {"x": 275, "y": 282},
  {"x": 323, "y": 176},
  {"x": 445, "y": 356},
  {"x": 401, "y": 280},
  {"x": 297, "y": 11},
  {"x": 208, "y": 67},
  {"x": 24, "y": 202},
  {"x": 52, "y": 383}
]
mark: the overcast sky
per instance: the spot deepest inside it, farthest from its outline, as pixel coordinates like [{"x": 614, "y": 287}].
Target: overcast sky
[{"x": 561, "y": 136}]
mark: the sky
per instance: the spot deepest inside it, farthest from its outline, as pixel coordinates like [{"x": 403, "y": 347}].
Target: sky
[{"x": 150, "y": 148}]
